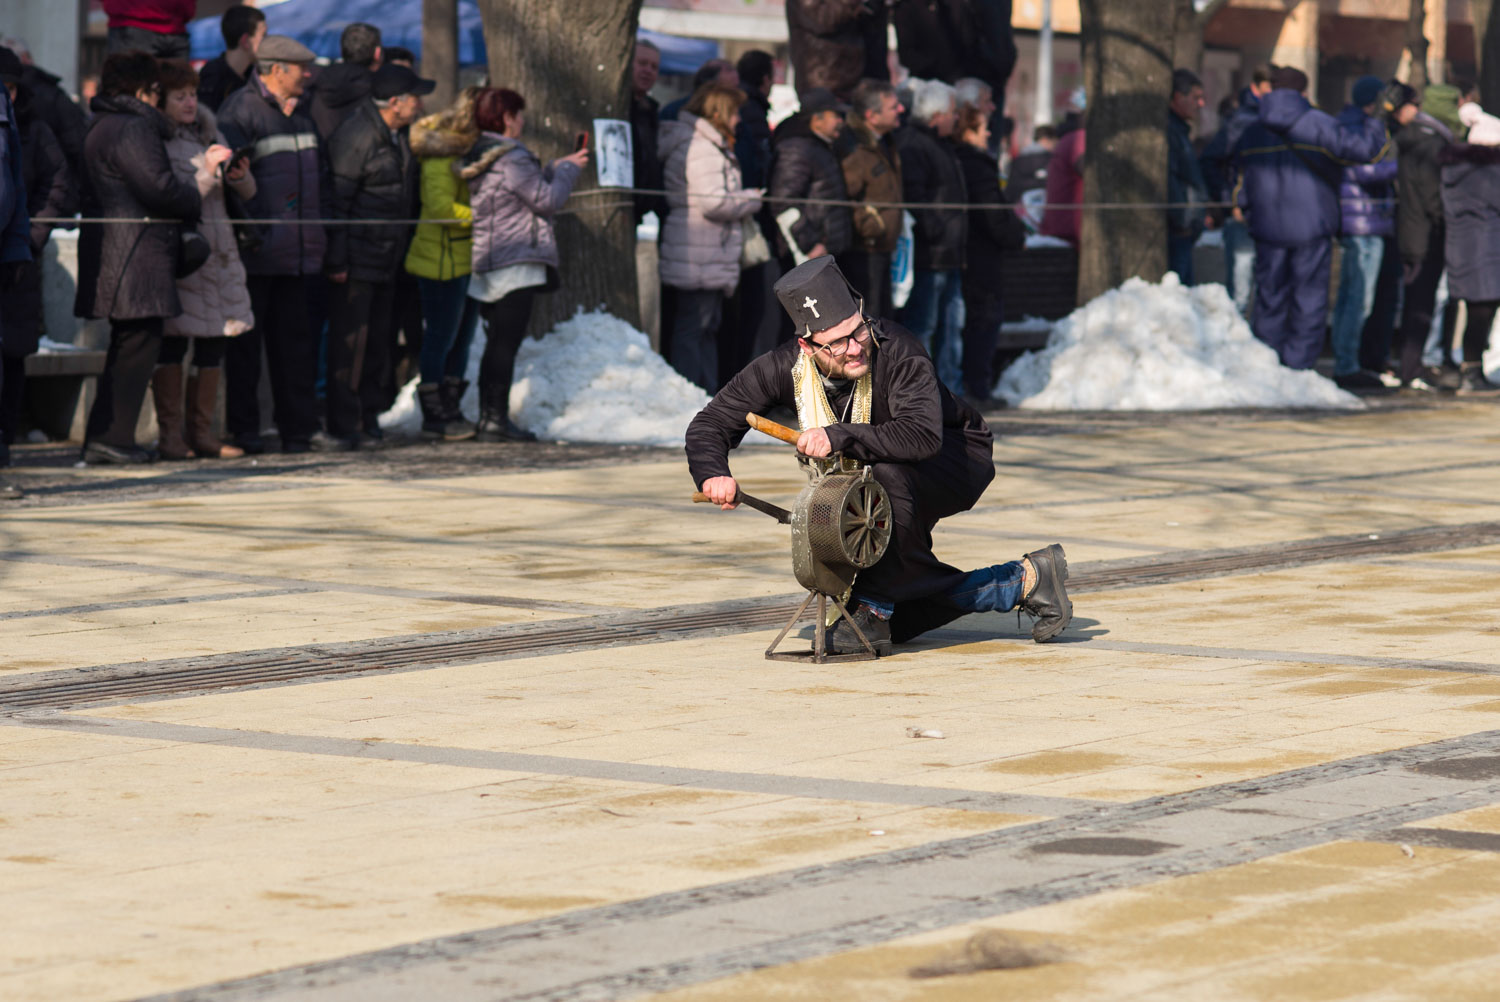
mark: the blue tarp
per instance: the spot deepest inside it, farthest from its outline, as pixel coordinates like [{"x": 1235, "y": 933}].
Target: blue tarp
[{"x": 317, "y": 24}]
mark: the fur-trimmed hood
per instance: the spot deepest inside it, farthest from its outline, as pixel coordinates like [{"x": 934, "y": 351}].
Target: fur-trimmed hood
[
  {"x": 448, "y": 133},
  {"x": 1469, "y": 153},
  {"x": 481, "y": 156},
  {"x": 204, "y": 130}
]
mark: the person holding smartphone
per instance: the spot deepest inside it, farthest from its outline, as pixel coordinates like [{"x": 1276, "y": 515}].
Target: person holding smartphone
[
  {"x": 513, "y": 196},
  {"x": 215, "y": 298}
]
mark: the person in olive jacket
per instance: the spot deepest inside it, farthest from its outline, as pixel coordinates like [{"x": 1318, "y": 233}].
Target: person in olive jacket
[
  {"x": 373, "y": 178},
  {"x": 440, "y": 259},
  {"x": 127, "y": 271},
  {"x": 994, "y": 231}
]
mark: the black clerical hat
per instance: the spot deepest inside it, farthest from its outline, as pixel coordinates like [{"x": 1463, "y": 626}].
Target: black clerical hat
[{"x": 816, "y": 296}]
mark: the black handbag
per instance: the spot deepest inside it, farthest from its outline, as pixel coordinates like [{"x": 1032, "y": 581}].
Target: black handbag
[{"x": 192, "y": 250}]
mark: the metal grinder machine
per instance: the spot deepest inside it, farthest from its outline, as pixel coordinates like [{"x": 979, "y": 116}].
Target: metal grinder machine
[{"x": 841, "y": 525}]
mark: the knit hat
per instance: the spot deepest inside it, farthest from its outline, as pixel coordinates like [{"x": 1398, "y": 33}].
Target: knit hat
[
  {"x": 1441, "y": 102},
  {"x": 1367, "y": 91},
  {"x": 1289, "y": 78}
]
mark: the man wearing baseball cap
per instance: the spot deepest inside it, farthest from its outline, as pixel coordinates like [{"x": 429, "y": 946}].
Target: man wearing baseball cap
[
  {"x": 374, "y": 178},
  {"x": 283, "y": 260}
]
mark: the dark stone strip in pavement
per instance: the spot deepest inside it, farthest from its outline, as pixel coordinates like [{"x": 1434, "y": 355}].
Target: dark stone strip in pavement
[
  {"x": 810, "y": 787},
  {"x": 687, "y": 937},
  {"x": 1239, "y": 653},
  {"x": 1440, "y": 838},
  {"x": 1192, "y": 489},
  {"x": 150, "y": 603},
  {"x": 206, "y": 574}
]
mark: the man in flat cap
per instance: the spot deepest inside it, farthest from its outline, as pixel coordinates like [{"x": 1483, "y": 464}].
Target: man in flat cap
[
  {"x": 373, "y": 178},
  {"x": 867, "y": 389},
  {"x": 283, "y": 262}
]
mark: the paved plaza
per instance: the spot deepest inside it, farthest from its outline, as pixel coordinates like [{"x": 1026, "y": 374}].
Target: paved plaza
[{"x": 494, "y": 722}]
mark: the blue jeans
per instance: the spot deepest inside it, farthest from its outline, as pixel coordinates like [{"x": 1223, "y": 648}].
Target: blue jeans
[
  {"x": 989, "y": 589},
  {"x": 449, "y": 318},
  {"x": 1239, "y": 265},
  {"x": 1180, "y": 257},
  {"x": 1358, "y": 276},
  {"x": 935, "y": 314}
]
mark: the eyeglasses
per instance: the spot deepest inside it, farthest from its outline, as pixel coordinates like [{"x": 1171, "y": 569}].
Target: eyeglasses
[{"x": 839, "y": 346}]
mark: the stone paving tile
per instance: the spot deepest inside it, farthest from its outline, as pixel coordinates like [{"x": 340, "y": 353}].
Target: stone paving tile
[{"x": 1347, "y": 920}]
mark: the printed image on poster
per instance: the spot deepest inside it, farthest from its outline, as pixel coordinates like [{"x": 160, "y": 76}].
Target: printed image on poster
[{"x": 616, "y": 162}]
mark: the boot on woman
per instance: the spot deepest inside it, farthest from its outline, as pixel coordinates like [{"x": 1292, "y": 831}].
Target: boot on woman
[
  {"x": 203, "y": 400},
  {"x": 166, "y": 391}
]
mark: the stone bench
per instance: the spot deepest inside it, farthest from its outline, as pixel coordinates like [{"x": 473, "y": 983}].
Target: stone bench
[{"x": 60, "y": 388}]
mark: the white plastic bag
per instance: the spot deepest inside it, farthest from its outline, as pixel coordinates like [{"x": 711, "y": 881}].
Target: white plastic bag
[{"x": 901, "y": 272}]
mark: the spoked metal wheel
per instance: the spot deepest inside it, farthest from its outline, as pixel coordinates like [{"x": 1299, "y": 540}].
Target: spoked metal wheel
[{"x": 865, "y": 523}]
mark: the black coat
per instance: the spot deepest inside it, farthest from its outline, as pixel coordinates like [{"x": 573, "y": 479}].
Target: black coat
[
  {"x": 1471, "y": 210},
  {"x": 952, "y": 39},
  {"x": 15, "y": 226},
  {"x": 1185, "y": 184},
  {"x": 645, "y": 123},
  {"x": 993, "y": 232},
  {"x": 804, "y": 166},
  {"x": 752, "y": 142},
  {"x": 49, "y": 193},
  {"x": 52, "y": 105},
  {"x": 216, "y": 81},
  {"x": 1419, "y": 184},
  {"x": 127, "y": 271},
  {"x": 334, "y": 95},
  {"x": 373, "y": 178},
  {"x": 930, "y": 173},
  {"x": 932, "y": 452}
]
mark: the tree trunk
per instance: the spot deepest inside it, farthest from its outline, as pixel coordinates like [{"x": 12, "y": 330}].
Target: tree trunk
[
  {"x": 1487, "y": 53},
  {"x": 440, "y": 50},
  {"x": 1187, "y": 37},
  {"x": 1416, "y": 44},
  {"x": 1128, "y": 76},
  {"x": 1188, "y": 23},
  {"x": 571, "y": 62}
]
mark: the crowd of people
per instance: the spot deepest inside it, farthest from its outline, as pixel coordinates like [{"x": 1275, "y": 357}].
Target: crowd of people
[
  {"x": 1406, "y": 184},
  {"x": 745, "y": 203},
  {"x": 252, "y": 153},
  {"x": 328, "y": 174}
]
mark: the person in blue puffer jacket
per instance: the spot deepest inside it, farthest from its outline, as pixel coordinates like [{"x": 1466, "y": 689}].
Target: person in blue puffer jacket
[
  {"x": 1290, "y": 164},
  {"x": 1368, "y": 206},
  {"x": 1216, "y": 161}
]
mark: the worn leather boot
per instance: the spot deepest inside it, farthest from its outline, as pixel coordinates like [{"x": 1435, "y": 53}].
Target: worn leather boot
[
  {"x": 843, "y": 639},
  {"x": 455, "y": 428},
  {"x": 202, "y": 399},
  {"x": 1048, "y": 602},
  {"x": 166, "y": 391},
  {"x": 430, "y": 399}
]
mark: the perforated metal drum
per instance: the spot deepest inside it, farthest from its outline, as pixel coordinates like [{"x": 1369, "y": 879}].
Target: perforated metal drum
[{"x": 841, "y": 524}]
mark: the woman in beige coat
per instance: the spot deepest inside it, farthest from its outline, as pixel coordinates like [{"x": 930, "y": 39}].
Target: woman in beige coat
[
  {"x": 703, "y": 234},
  {"x": 215, "y": 300}
]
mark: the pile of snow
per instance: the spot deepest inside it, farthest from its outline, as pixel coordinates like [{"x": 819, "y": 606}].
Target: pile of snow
[
  {"x": 1161, "y": 347},
  {"x": 593, "y": 378}
]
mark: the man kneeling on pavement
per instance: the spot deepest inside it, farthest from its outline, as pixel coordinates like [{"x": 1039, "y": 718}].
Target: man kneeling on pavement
[{"x": 867, "y": 389}]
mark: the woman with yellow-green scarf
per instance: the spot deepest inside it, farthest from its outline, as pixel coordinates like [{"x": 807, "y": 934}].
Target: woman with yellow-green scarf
[{"x": 439, "y": 257}]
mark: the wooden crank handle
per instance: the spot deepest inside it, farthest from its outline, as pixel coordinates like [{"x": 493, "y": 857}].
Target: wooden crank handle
[
  {"x": 781, "y": 431},
  {"x": 700, "y": 498}
]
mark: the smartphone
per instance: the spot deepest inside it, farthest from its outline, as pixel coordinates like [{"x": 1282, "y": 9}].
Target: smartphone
[
  {"x": 580, "y": 142},
  {"x": 243, "y": 153}
]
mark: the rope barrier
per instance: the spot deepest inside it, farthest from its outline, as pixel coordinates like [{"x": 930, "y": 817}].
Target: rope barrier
[{"x": 591, "y": 192}]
